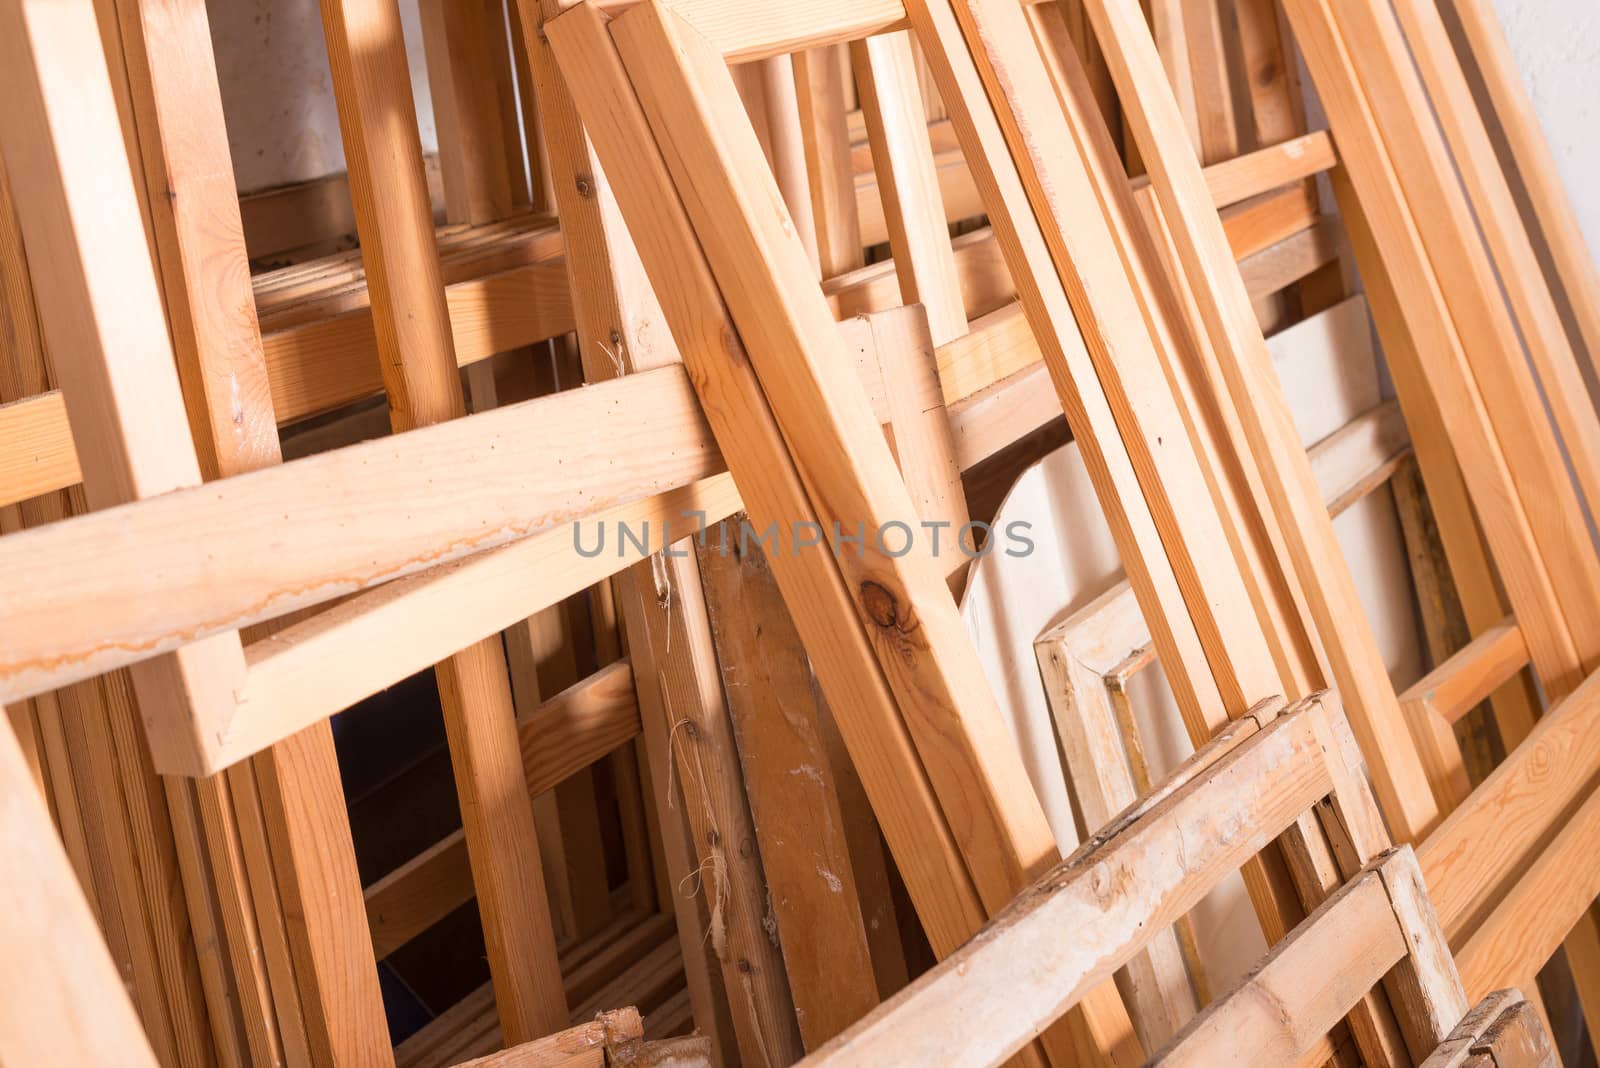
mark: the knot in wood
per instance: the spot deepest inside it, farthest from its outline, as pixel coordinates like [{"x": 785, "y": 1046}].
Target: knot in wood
[{"x": 881, "y": 605}]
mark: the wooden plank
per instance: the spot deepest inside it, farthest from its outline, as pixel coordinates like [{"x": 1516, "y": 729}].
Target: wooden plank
[
  {"x": 1455, "y": 687},
  {"x": 618, "y": 331},
  {"x": 819, "y": 76},
  {"x": 211, "y": 312},
  {"x": 376, "y": 113},
  {"x": 390, "y": 473},
  {"x": 903, "y": 164},
  {"x": 459, "y": 43},
  {"x": 565, "y": 734},
  {"x": 851, "y": 459},
  {"x": 1293, "y": 997},
  {"x": 1213, "y": 88},
  {"x": 586, "y": 1044},
  {"x": 1269, "y": 431},
  {"x": 1522, "y": 800},
  {"x": 745, "y": 30},
  {"x": 63, "y": 977},
  {"x": 796, "y": 807},
  {"x": 1120, "y": 477}
]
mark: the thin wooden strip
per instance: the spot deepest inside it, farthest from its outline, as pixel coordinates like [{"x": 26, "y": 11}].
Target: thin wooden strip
[
  {"x": 1517, "y": 264},
  {"x": 1469, "y": 677},
  {"x": 211, "y": 315},
  {"x": 849, "y": 473},
  {"x": 903, "y": 164},
  {"x": 343, "y": 537},
  {"x": 1550, "y": 896},
  {"x": 754, "y": 29},
  {"x": 1494, "y": 351},
  {"x": 1119, "y": 479},
  {"x": 570, "y": 731},
  {"x": 36, "y": 450},
  {"x": 819, "y": 76},
  {"x": 1434, "y": 382},
  {"x": 735, "y": 977},
  {"x": 932, "y": 871},
  {"x": 1293, "y": 997},
  {"x": 1232, "y": 181}
]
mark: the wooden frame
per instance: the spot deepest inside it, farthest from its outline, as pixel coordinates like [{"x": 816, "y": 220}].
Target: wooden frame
[
  {"x": 1162, "y": 855},
  {"x": 1086, "y": 663}
]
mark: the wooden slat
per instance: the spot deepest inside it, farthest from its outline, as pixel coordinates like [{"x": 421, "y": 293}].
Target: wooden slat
[
  {"x": 38, "y": 455},
  {"x": 1276, "y": 1013},
  {"x": 372, "y": 86},
  {"x": 63, "y": 1001},
  {"x": 886, "y": 81},
  {"x": 1444, "y": 222},
  {"x": 745, "y": 30}
]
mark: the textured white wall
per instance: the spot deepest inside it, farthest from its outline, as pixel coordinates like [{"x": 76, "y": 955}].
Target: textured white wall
[
  {"x": 277, "y": 92},
  {"x": 1557, "y": 45}
]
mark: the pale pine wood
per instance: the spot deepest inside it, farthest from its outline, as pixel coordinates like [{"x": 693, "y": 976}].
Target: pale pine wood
[
  {"x": 459, "y": 43},
  {"x": 844, "y": 459},
  {"x": 819, "y": 76},
  {"x": 847, "y": 667},
  {"x": 903, "y": 163},
  {"x": 38, "y": 455},
  {"x": 1213, "y": 89},
  {"x": 62, "y": 145},
  {"x": 64, "y": 1002},
  {"x": 1095, "y": 424},
  {"x": 618, "y": 331},
  {"x": 1465, "y": 273},
  {"x": 385, "y": 470},
  {"x": 755, "y": 29},
  {"x": 1517, "y": 264},
  {"x": 377, "y": 123},
  {"x": 1231, "y": 325},
  {"x": 211, "y": 312}
]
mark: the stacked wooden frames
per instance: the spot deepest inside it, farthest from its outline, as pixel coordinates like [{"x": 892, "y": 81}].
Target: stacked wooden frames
[
  {"x": 1369, "y": 58},
  {"x": 1272, "y": 766}
]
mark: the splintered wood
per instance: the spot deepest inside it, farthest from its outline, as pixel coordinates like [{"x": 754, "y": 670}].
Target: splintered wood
[{"x": 724, "y": 753}]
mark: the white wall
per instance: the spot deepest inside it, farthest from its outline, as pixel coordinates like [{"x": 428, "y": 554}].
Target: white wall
[
  {"x": 277, "y": 92},
  {"x": 1557, "y": 45}
]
